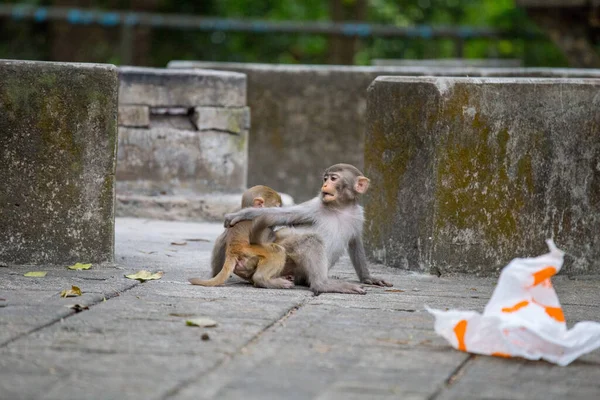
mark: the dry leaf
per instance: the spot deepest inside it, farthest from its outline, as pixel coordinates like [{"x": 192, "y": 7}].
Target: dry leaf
[
  {"x": 36, "y": 274},
  {"x": 144, "y": 275},
  {"x": 80, "y": 266},
  {"x": 73, "y": 292},
  {"x": 178, "y": 243},
  {"x": 201, "y": 322},
  {"x": 395, "y": 290}
]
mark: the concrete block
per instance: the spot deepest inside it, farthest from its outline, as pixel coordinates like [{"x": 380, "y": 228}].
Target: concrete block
[
  {"x": 308, "y": 117},
  {"x": 231, "y": 120},
  {"x": 450, "y": 62},
  {"x": 467, "y": 174},
  {"x": 134, "y": 116},
  {"x": 58, "y": 135},
  {"x": 163, "y": 160},
  {"x": 157, "y": 87}
]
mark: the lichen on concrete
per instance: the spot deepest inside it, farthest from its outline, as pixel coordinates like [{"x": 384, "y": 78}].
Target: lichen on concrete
[
  {"x": 483, "y": 171},
  {"x": 58, "y": 146}
]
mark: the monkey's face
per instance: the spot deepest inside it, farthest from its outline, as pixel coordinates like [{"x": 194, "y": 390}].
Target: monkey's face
[
  {"x": 330, "y": 188},
  {"x": 342, "y": 183}
]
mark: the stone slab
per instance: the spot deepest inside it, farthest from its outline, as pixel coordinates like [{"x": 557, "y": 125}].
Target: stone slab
[
  {"x": 308, "y": 117},
  {"x": 58, "y": 136},
  {"x": 269, "y": 344},
  {"x": 524, "y": 380},
  {"x": 156, "y": 87},
  {"x": 230, "y": 120},
  {"x": 134, "y": 116},
  {"x": 175, "y": 161},
  {"x": 471, "y": 173}
]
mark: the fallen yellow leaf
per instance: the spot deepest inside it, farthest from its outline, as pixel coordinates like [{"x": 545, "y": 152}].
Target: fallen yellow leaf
[
  {"x": 144, "y": 275},
  {"x": 73, "y": 292},
  {"x": 201, "y": 322},
  {"x": 179, "y": 243},
  {"x": 36, "y": 274},
  {"x": 80, "y": 266}
]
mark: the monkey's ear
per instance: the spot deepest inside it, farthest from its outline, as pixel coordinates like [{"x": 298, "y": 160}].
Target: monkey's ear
[
  {"x": 258, "y": 202},
  {"x": 361, "y": 185}
]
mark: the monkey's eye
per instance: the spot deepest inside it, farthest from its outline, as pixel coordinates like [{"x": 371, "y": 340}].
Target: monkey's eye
[{"x": 333, "y": 178}]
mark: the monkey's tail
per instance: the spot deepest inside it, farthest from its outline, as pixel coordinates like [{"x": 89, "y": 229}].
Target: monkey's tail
[
  {"x": 258, "y": 227},
  {"x": 221, "y": 277}
]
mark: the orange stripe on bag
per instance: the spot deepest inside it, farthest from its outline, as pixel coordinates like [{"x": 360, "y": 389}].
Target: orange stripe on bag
[
  {"x": 504, "y": 355},
  {"x": 459, "y": 330},
  {"x": 516, "y": 307},
  {"x": 555, "y": 313},
  {"x": 542, "y": 275}
]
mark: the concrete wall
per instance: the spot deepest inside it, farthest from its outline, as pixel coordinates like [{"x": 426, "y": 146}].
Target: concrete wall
[
  {"x": 58, "y": 135},
  {"x": 183, "y": 143},
  {"x": 470, "y": 173},
  {"x": 182, "y": 131},
  {"x": 450, "y": 62},
  {"x": 305, "y": 118}
]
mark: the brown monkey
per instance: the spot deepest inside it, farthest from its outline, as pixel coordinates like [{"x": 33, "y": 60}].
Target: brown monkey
[
  {"x": 246, "y": 251},
  {"x": 323, "y": 228}
]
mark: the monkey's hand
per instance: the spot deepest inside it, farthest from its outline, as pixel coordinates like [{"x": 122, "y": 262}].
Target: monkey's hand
[
  {"x": 232, "y": 219},
  {"x": 375, "y": 281}
]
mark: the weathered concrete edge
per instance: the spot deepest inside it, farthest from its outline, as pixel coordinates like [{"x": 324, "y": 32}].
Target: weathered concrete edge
[
  {"x": 153, "y": 79},
  {"x": 399, "y": 70},
  {"x": 442, "y": 82}
]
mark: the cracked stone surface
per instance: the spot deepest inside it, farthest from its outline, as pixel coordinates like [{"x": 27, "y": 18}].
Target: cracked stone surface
[{"x": 133, "y": 343}]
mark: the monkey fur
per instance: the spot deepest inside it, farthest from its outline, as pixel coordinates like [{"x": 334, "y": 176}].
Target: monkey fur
[
  {"x": 246, "y": 248},
  {"x": 320, "y": 231}
]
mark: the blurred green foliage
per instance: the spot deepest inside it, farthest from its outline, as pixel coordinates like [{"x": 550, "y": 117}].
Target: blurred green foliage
[{"x": 27, "y": 40}]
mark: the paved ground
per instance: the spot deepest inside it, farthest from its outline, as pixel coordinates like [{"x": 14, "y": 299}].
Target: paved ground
[{"x": 133, "y": 343}]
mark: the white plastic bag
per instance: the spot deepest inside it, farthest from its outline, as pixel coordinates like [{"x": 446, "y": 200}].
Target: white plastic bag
[{"x": 523, "y": 317}]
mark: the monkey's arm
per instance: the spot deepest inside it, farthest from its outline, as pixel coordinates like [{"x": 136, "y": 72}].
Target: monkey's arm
[
  {"x": 301, "y": 214},
  {"x": 217, "y": 257},
  {"x": 356, "y": 250}
]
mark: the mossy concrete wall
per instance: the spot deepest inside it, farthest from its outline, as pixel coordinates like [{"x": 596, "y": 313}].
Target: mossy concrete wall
[
  {"x": 58, "y": 137},
  {"x": 307, "y": 117},
  {"x": 467, "y": 174}
]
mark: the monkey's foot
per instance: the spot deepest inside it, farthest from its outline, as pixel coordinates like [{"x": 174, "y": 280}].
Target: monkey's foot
[
  {"x": 332, "y": 286},
  {"x": 376, "y": 282},
  {"x": 275, "y": 283}
]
